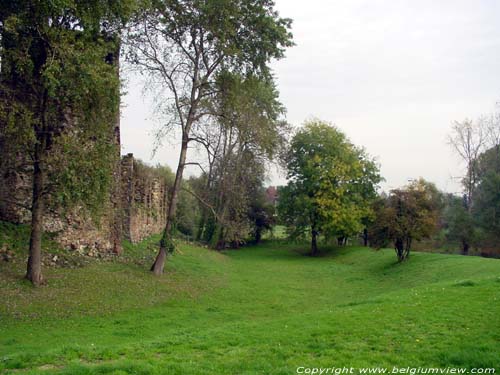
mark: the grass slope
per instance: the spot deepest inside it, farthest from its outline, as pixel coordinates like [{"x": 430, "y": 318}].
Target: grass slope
[{"x": 259, "y": 310}]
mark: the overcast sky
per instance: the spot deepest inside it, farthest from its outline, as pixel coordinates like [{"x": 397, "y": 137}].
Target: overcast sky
[{"x": 392, "y": 75}]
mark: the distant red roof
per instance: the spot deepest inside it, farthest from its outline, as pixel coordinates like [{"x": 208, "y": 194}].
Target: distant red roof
[{"x": 272, "y": 194}]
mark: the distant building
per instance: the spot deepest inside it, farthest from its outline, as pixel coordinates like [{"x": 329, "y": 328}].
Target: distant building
[{"x": 272, "y": 195}]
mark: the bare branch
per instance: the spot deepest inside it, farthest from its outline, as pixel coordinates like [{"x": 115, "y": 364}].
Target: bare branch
[
  {"x": 202, "y": 201},
  {"x": 197, "y": 164}
]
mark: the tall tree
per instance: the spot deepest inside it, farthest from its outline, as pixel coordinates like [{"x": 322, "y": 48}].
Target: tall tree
[
  {"x": 468, "y": 139},
  {"x": 486, "y": 210},
  {"x": 249, "y": 133},
  {"x": 59, "y": 99},
  {"x": 331, "y": 183},
  {"x": 262, "y": 213},
  {"x": 183, "y": 45},
  {"x": 478, "y": 145},
  {"x": 459, "y": 222}
]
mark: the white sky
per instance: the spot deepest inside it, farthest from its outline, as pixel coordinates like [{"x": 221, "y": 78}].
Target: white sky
[{"x": 391, "y": 74}]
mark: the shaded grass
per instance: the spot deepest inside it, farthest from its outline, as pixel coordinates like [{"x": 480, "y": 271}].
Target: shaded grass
[
  {"x": 17, "y": 238},
  {"x": 265, "y": 309}
]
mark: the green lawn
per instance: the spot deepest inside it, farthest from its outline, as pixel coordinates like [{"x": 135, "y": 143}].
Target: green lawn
[{"x": 258, "y": 310}]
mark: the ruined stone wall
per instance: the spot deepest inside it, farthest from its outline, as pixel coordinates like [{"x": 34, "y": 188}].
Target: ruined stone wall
[
  {"x": 72, "y": 228},
  {"x": 15, "y": 188},
  {"x": 144, "y": 197},
  {"x": 136, "y": 209}
]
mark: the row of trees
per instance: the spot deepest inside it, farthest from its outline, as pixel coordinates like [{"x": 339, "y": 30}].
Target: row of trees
[
  {"x": 332, "y": 192},
  {"x": 208, "y": 65},
  {"x": 203, "y": 59},
  {"x": 474, "y": 218}
]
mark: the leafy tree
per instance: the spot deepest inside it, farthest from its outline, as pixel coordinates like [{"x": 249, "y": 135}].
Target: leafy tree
[
  {"x": 188, "y": 214},
  {"x": 486, "y": 209},
  {"x": 478, "y": 145},
  {"x": 59, "y": 96},
  {"x": 261, "y": 214},
  {"x": 459, "y": 222},
  {"x": 250, "y": 133},
  {"x": 406, "y": 215},
  {"x": 233, "y": 201},
  {"x": 331, "y": 183},
  {"x": 184, "y": 45}
]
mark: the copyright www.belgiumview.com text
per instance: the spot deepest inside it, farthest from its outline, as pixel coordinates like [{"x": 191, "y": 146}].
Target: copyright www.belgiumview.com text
[{"x": 393, "y": 370}]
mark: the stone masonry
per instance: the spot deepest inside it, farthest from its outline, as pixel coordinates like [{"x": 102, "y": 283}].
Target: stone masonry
[
  {"x": 144, "y": 199},
  {"x": 135, "y": 210},
  {"x": 135, "y": 207}
]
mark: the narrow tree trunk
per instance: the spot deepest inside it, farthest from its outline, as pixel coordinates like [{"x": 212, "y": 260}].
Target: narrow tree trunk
[
  {"x": 314, "y": 242},
  {"x": 258, "y": 236},
  {"x": 159, "y": 264},
  {"x": 398, "y": 245},
  {"x": 34, "y": 267},
  {"x": 465, "y": 247},
  {"x": 365, "y": 237},
  {"x": 201, "y": 224},
  {"x": 116, "y": 193},
  {"x": 470, "y": 186},
  {"x": 202, "y": 227},
  {"x": 407, "y": 248},
  {"x": 218, "y": 241}
]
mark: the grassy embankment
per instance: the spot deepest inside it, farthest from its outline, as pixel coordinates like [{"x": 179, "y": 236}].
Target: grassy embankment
[{"x": 258, "y": 310}]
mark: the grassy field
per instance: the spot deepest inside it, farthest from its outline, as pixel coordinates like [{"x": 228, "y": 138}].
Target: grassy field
[{"x": 258, "y": 310}]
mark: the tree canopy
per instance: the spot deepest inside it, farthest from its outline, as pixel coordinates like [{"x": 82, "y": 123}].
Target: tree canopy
[
  {"x": 486, "y": 208},
  {"x": 331, "y": 183},
  {"x": 248, "y": 132},
  {"x": 184, "y": 46},
  {"x": 406, "y": 215}
]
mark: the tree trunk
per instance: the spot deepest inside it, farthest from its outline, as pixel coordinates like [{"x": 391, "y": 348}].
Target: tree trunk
[
  {"x": 159, "y": 264},
  {"x": 407, "y": 248},
  {"x": 117, "y": 218},
  {"x": 365, "y": 237},
  {"x": 398, "y": 245},
  {"x": 465, "y": 247},
  {"x": 34, "y": 267},
  {"x": 201, "y": 224},
  {"x": 219, "y": 239},
  {"x": 314, "y": 242},
  {"x": 258, "y": 235},
  {"x": 470, "y": 186}
]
